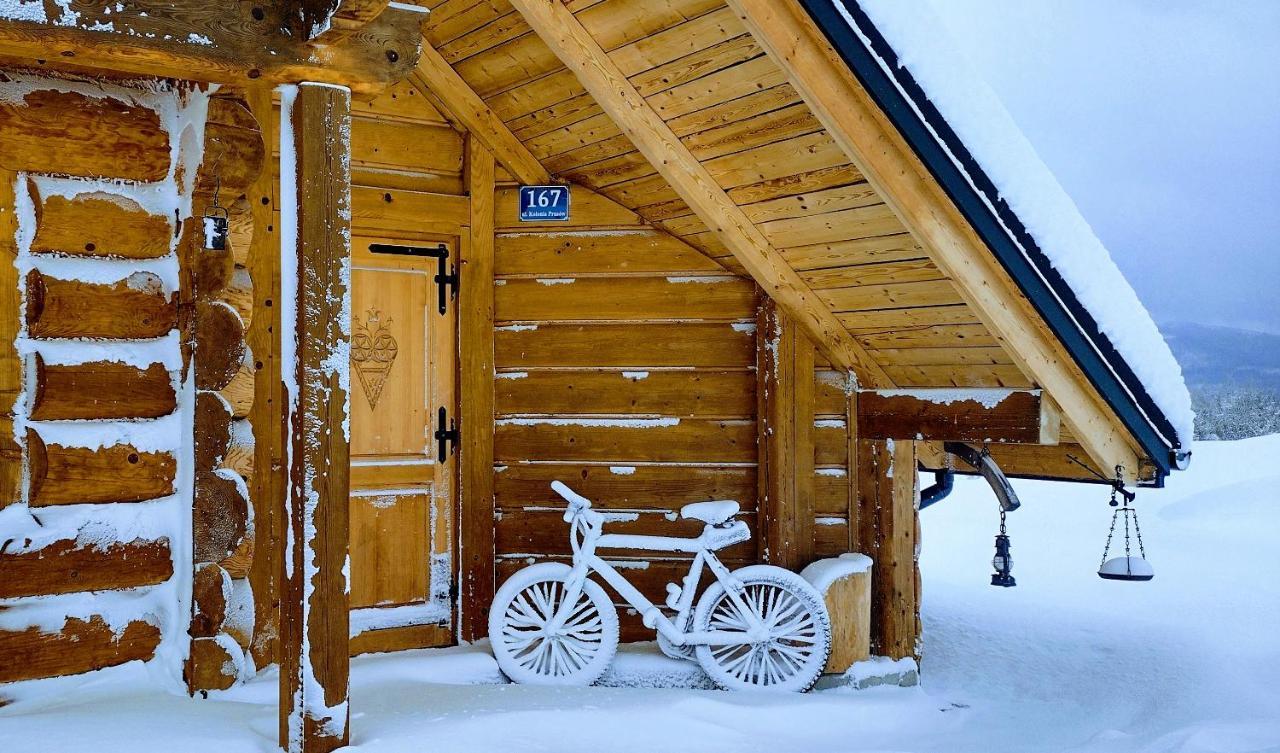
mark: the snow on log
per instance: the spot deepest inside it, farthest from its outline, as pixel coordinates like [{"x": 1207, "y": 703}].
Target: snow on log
[
  {"x": 79, "y": 647},
  {"x": 98, "y": 224},
  {"x": 219, "y": 517},
  {"x": 136, "y": 308},
  {"x": 61, "y": 475},
  {"x": 70, "y": 133},
  {"x": 100, "y": 390},
  {"x": 219, "y": 343},
  {"x": 69, "y": 566}
]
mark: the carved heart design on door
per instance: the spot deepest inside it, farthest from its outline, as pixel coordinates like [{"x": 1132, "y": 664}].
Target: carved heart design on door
[{"x": 373, "y": 351}]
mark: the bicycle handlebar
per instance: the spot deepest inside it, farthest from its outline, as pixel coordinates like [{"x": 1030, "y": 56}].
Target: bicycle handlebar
[{"x": 577, "y": 502}]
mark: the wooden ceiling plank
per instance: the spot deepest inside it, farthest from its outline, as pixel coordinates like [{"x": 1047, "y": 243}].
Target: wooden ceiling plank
[
  {"x": 436, "y": 75},
  {"x": 580, "y": 52},
  {"x": 874, "y": 145}
]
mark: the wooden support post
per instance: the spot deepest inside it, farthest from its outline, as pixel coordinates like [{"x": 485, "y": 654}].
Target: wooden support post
[
  {"x": 475, "y": 343},
  {"x": 886, "y": 530},
  {"x": 267, "y": 414},
  {"x": 785, "y": 395},
  {"x": 316, "y": 255},
  {"x": 10, "y": 363}
]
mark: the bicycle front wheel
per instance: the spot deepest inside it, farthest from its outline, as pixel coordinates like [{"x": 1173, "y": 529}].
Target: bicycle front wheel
[
  {"x": 794, "y": 651},
  {"x": 539, "y": 639}
]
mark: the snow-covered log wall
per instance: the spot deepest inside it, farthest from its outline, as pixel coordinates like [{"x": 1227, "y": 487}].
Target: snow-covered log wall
[{"x": 96, "y": 183}]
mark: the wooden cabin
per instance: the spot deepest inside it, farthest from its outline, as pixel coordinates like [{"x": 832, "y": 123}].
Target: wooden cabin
[{"x": 781, "y": 279}]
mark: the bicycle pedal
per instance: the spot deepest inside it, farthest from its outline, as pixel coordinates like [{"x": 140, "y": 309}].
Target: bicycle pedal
[{"x": 673, "y": 596}]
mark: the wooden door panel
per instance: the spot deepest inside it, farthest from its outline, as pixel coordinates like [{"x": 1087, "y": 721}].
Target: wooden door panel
[{"x": 390, "y": 541}]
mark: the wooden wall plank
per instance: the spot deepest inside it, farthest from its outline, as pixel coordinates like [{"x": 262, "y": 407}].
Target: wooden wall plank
[
  {"x": 586, "y": 253},
  {"x": 629, "y": 487},
  {"x": 668, "y": 393},
  {"x": 545, "y": 532},
  {"x": 621, "y": 345},
  {"x": 643, "y": 298},
  {"x": 656, "y": 440}
]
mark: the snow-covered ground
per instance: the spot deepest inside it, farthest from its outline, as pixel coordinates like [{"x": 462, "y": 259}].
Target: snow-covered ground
[{"x": 1189, "y": 662}]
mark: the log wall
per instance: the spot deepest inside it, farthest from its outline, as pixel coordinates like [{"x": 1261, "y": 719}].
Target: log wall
[
  {"x": 625, "y": 367},
  {"x": 91, "y": 369}
]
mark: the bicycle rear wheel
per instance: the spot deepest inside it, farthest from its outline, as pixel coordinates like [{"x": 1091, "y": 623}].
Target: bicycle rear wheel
[{"x": 795, "y": 651}]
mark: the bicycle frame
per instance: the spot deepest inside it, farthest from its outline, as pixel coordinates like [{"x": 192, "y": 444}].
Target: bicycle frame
[{"x": 586, "y": 535}]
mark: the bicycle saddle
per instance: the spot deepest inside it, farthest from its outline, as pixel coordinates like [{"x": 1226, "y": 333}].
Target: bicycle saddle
[{"x": 711, "y": 513}]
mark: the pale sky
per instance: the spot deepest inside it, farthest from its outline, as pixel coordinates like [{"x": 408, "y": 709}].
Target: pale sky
[{"x": 1161, "y": 118}]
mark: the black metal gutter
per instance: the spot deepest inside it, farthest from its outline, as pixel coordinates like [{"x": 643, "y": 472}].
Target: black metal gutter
[
  {"x": 1021, "y": 257},
  {"x": 943, "y": 483}
]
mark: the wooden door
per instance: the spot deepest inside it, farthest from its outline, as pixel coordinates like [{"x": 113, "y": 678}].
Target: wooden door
[{"x": 403, "y": 367}]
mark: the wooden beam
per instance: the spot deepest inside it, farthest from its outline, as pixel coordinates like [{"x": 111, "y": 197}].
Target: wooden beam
[
  {"x": 871, "y": 142},
  {"x": 217, "y": 42},
  {"x": 1019, "y": 461},
  {"x": 600, "y": 76},
  {"x": 267, "y": 414},
  {"x": 785, "y": 439},
  {"x": 962, "y": 415},
  {"x": 475, "y": 345},
  {"x": 886, "y": 525},
  {"x": 436, "y": 75},
  {"x": 316, "y": 253}
]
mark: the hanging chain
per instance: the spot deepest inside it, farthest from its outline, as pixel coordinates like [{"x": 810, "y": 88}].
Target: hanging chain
[
  {"x": 1002, "y": 521},
  {"x": 1107, "y": 549},
  {"x": 1138, "y": 531}
]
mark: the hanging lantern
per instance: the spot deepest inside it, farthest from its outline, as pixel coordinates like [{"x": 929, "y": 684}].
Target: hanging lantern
[
  {"x": 1127, "y": 567},
  {"x": 217, "y": 222},
  {"x": 1003, "y": 561}
]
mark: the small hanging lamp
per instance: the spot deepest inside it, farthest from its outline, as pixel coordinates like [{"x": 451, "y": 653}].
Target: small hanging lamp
[
  {"x": 217, "y": 222},
  {"x": 1127, "y": 567},
  {"x": 1003, "y": 561}
]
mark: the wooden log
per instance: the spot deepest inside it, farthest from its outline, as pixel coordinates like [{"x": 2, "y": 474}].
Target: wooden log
[
  {"x": 314, "y": 680},
  {"x": 219, "y": 344},
  {"x": 98, "y": 224},
  {"x": 239, "y": 456},
  {"x": 476, "y": 387},
  {"x": 239, "y": 623},
  {"x": 11, "y": 464},
  {"x": 240, "y": 562},
  {"x": 72, "y": 475},
  {"x": 219, "y": 517},
  {"x": 238, "y": 294},
  {"x": 848, "y": 600},
  {"x": 132, "y": 309},
  {"x": 81, "y": 646},
  {"x": 211, "y": 665},
  {"x": 248, "y": 44},
  {"x": 244, "y": 225},
  {"x": 100, "y": 390},
  {"x": 234, "y": 151},
  {"x": 212, "y": 431},
  {"x": 68, "y": 566},
  {"x": 11, "y": 366},
  {"x": 785, "y": 439},
  {"x": 209, "y": 590},
  {"x": 239, "y": 392},
  {"x": 977, "y": 415},
  {"x": 68, "y": 133}
]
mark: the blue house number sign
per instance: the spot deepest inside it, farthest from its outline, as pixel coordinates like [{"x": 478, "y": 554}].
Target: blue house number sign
[{"x": 544, "y": 203}]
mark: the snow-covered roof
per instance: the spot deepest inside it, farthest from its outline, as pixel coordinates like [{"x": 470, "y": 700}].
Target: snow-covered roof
[{"x": 984, "y": 144}]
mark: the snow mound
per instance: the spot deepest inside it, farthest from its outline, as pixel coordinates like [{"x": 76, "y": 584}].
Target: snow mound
[{"x": 1025, "y": 183}]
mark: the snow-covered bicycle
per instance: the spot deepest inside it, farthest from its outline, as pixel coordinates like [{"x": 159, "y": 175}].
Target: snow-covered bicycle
[{"x": 758, "y": 627}]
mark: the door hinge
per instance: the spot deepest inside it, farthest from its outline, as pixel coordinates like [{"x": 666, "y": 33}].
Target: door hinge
[
  {"x": 446, "y": 277},
  {"x": 446, "y": 439}
]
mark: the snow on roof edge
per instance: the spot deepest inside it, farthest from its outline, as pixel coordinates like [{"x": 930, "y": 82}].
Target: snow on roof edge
[{"x": 981, "y": 122}]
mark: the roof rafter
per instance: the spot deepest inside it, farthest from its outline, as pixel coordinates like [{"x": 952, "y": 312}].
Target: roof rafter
[
  {"x": 870, "y": 141},
  {"x": 600, "y": 76},
  {"x": 434, "y": 73}
]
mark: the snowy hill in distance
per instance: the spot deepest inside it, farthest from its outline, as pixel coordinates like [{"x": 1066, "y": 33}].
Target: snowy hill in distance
[{"x": 1213, "y": 356}]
